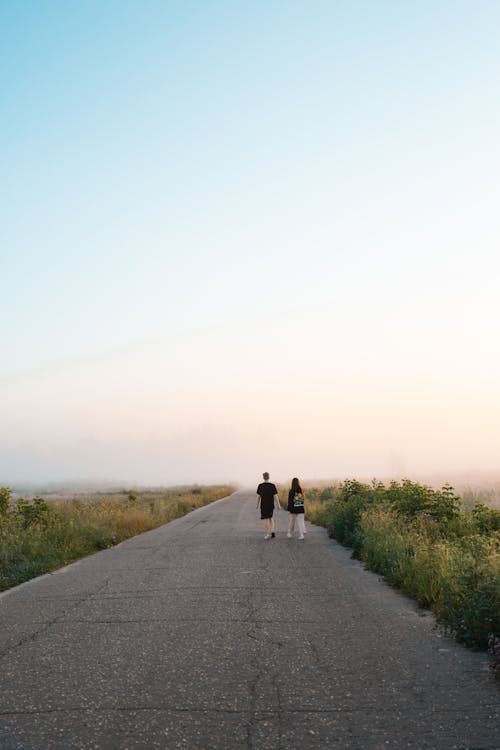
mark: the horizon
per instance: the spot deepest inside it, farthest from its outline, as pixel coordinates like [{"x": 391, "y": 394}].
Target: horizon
[
  {"x": 243, "y": 237},
  {"x": 460, "y": 482}
]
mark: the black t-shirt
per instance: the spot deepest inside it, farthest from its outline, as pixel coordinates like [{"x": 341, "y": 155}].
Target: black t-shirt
[
  {"x": 267, "y": 491},
  {"x": 295, "y": 502}
]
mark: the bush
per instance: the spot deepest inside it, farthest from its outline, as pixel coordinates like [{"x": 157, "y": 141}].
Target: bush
[
  {"x": 469, "y": 606},
  {"x": 344, "y": 513},
  {"x": 486, "y": 519},
  {"x": 5, "y": 495},
  {"x": 400, "y": 551},
  {"x": 413, "y": 499},
  {"x": 36, "y": 537},
  {"x": 408, "y": 498},
  {"x": 420, "y": 540},
  {"x": 35, "y": 512}
]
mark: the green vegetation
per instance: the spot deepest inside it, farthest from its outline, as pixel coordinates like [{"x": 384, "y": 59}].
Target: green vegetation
[
  {"x": 37, "y": 537},
  {"x": 427, "y": 544}
]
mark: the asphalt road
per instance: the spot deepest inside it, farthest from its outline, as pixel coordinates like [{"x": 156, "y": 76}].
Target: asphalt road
[{"x": 201, "y": 634}]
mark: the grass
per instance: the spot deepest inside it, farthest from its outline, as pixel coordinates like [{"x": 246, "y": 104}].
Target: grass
[
  {"x": 428, "y": 543},
  {"x": 37, "y": 537}
]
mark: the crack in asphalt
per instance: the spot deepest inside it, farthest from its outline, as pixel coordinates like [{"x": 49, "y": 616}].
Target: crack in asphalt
[
  {"x": 253, "y": 635},
  {"x": 274, "y": 682},
  {"x": 288, "y": 662},
  {"x": 47, "y": 625}
]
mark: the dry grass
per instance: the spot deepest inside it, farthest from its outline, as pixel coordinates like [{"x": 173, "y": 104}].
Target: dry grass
[{"x": 37, "y": 537}]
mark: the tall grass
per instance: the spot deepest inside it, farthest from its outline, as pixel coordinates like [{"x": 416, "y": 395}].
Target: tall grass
[
  {"x": 428, "y": 544},
  {"x": 37, "y": 537}
]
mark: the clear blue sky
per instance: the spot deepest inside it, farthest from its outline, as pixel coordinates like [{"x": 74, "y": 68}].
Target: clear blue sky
[{"x": 221, "y": 220}]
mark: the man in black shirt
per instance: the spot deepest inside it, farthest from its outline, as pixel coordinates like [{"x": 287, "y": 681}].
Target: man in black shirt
[{"x": 267, "y": 496}]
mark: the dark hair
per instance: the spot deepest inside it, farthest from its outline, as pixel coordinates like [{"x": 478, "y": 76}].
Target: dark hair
[
  {"x": 296, "y": 486},
  {"x": 265, "y": 476}
]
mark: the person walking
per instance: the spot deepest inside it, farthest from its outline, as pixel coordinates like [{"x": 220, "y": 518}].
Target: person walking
[
  {"x": 267, "y": 497},
  {"x": 296, "y": 509}
]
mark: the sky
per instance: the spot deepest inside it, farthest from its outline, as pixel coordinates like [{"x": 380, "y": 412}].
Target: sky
[{"x": 239, "y": 237}]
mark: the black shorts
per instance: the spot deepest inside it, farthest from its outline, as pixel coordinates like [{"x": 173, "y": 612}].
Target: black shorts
[{"x": 266, "y": 511}]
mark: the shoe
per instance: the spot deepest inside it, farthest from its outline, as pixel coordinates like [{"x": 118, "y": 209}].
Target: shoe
[
  {"x": 267, "y": 536},
  {"x": 288, "y": 535},
  {"x": 301, "y": 538},
  {"x": 273, "y": 535}
]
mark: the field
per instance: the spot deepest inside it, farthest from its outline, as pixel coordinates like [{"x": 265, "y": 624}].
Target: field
[
  {"x": 37, "y": 536},
  {"x": 431, "y": 544}
]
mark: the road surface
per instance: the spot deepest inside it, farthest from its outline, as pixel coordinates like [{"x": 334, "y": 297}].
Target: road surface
[{"x": 201, "y": 634}]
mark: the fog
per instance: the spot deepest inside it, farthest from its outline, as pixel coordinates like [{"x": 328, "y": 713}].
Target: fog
[
  {"x": 212, "y": 456},
  {"x": 173, "y": 413},
  {"x": 249, "y": 238}
]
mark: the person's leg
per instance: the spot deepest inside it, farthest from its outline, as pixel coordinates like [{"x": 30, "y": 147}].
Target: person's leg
[
  {"x": 291, "y": 524},
  {"x": 300, "y": 524},
  {"x": 271, "y": 526}
]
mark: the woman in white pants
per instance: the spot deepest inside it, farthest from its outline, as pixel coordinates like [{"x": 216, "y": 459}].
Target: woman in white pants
[{"x": 296, "y": 509}]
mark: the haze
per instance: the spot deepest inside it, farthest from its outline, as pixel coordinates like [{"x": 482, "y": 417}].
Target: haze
[{"x": 246, "y": 237}]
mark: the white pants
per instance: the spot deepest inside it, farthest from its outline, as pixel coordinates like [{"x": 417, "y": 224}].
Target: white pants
[{"x": 300, "y": 523}]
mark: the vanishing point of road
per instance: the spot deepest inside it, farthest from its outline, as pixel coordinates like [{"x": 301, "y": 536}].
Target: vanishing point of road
[{"x": 201, "y": 634}]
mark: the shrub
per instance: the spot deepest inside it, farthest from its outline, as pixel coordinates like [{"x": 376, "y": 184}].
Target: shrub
[
  {"x": 383, "y": 545},
  {"x": 422, "y": 542},
  {"x": 35, "y": 512},
  {"x": 345, "y": 511},
  {"x": 413, "y": 499},
  {"x": 36, "y": 537},
  {"x": 469, "y": 606},
  {"x": 486, "y": 519},
  {"x": 408, "y": 498},
  {"x": 5, "y": 495},
  {"x": 132, "y": 499}
]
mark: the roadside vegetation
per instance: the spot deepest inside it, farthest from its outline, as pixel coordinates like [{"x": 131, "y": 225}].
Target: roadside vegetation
[
  {"x": 427, "y": 543},
  {"x": 37, "y": 536}
]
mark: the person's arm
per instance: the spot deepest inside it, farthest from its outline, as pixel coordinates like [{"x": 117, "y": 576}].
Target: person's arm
[
  {"x": 258, "y": 501},
  {"x": 277, "y": 502}
]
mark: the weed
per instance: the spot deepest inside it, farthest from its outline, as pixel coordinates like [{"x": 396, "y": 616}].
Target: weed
[
  {"x": 5, "y": 495},
  {"x": 37, "y": 537},
  {"x": 422, "y": 540}
]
